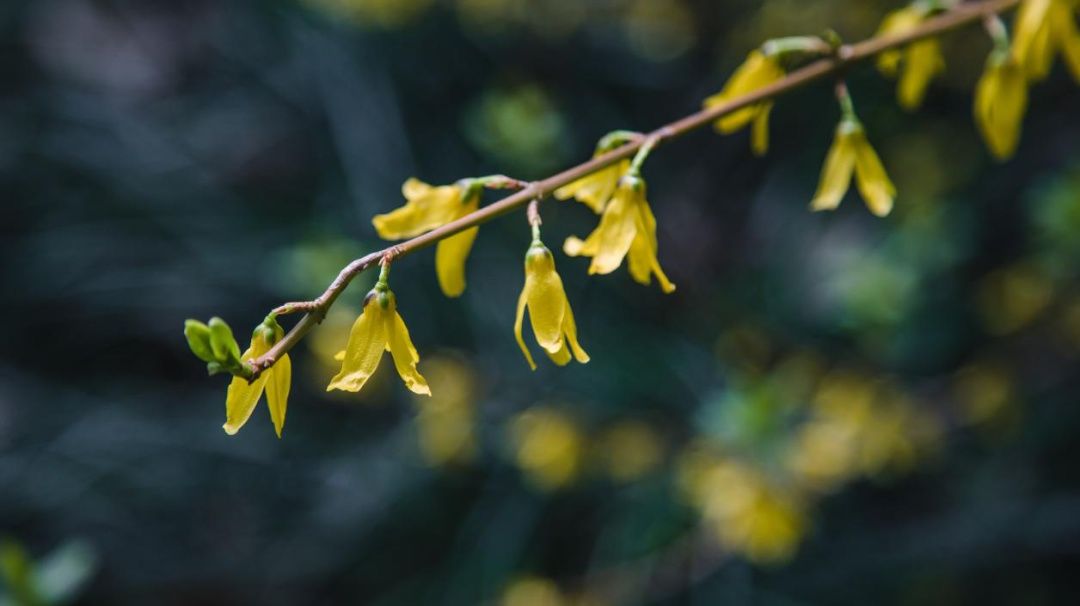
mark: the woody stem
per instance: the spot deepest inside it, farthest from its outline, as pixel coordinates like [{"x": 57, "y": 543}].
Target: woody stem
[{"x": 963, "y": 14}]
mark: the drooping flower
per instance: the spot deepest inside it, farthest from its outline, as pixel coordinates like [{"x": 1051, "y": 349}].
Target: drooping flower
[
  {"x": 1043, "y": 28},
  {"x": 759, "y": 70},
  {"x": 549, "y": 311},
  {"x": 1000, "y": 103},
  {"x": 379, "y": 328},
  {"x": 917, "y": 63},
  {"x": 627, "y": 229},
  {"x": 851, "y": 153},
  {"x": 242, "y": 396},
  {"x": 426, "y": 208},
  {"x": 596, "y": 189}
]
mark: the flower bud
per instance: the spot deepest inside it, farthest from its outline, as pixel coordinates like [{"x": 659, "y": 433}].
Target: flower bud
[
  {"x": 198, "y": 338},
  {"x": 225, "y": 349}
]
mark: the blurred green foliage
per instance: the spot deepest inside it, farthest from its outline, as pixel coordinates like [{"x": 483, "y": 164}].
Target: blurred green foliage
[{"x": 832, "y": 408}]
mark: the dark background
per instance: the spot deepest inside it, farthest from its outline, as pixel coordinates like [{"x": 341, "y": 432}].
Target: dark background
[{"x": 167, "y": 160}]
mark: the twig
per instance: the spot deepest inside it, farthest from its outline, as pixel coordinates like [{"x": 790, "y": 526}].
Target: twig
[{"x": 960, "y": 16}]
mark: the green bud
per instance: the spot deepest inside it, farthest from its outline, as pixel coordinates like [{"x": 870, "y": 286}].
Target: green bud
[
  {"x": 198, "y": 339},
  {"x": 213, "y": 368},
  {"x": 226, "y": 350}
]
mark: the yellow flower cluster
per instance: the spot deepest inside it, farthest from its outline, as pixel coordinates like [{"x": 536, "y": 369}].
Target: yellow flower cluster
[
  {"x": 744, "y": 512},
  {"x": 759, "y": 70},
  {"x": 243, "y": 395}
]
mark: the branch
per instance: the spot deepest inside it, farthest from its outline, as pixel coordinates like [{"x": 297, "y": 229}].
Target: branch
[{"x": 846, "y": 55}]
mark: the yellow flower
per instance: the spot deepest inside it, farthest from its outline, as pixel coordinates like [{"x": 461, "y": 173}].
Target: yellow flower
[
  {"x": 852, "y": 153},
  {"x": 627, "y": 228},
  {"x": 596, "y": 189},
  {"x": 922, "y": 60},
  {"x": 757, "y": 71},
  {"x": 549, "y": 447},
  {"x": 549, "y": 310},
  {"x": 1043, "y": 27},
  {"x": 445, "y": 422},
  {"x": 1000, "y": 103},
  {"x": 379, "y": 328},
  {"x": 429, "y": 207},
  {"x": 242, "y": 396}
]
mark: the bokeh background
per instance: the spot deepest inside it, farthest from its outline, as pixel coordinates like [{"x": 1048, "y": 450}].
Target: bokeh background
[{"x": 832, "y": 408}]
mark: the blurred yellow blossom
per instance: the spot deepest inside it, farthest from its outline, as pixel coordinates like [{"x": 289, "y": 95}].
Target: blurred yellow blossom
[
  {"x": 627, "y": 229},
  {"x": 629, "y": 450},
  {"x": 1013, "y": 297},
  {"x": 852, "y": 153},
  {"x": 445, "y": 422},
  {"x": 548, "y": 447},
  {"x": 743, "y": 511},
  {"x": 1044, "y": 27},
  {"x": 920, "y": 61},
  {"x": 379, "y": 328},
  {"x": 1000, "y": 104},
  {"x": 533, "y": 591},
  {"x": 984, "y": 392},
  {"x": 429, "y": 207},
  {"x": 549, "y": 311},
  {"x": 384, "y": 13},
  {"x": 757, "y": 71},
  {"x": 243, "y": 395}
]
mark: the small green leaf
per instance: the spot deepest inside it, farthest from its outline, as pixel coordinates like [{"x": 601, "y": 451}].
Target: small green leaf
[{"x": 226, "y": 350}]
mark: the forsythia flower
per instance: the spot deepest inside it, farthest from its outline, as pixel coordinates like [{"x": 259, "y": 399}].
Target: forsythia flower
[
  {"x": 627, "y": 229},
  {"x": 852, "y": 153},
  {"x": 242, "y": 396},
  {"x": 596, "y": 189},
  {"x": 1042, "y": 27},
  {"x": 379, "y": 328},
  {"x": 429, "y": 207},
  {"x": 1000, "y": 103},
  {"x": 548, "y": 446},
  {"x": 922, "y": 60},
  {"x": 549, "y": 311},
  {"x": 758, "y": 70}
]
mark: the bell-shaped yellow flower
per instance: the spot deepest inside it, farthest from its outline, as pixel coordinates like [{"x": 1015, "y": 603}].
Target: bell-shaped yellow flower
[
  {"x": 1000, "y": 103},
  {"x": 852, "y": 153},
  {"x": 379, "y": 328},
  {"x": 920, "y": 60},
  {"x": 242, "y": 396},
  {"x": 596, "y": 189},
  {"x": 759, "y": 70},
  {"x": 549, "y": 311},
  {"x": 429, "y": 207},
  {"x": 627, "y": 229},
  {"x": 1044, "y": 27}
]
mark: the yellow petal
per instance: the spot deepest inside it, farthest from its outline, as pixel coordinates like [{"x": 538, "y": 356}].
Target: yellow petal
[
  {"x": 896, "y": 22},
  {"x": 405, "y": 355},
  {"x": 922, "y": 61},
  {"x": 757, "y": 71},
  {"x": 874, "y": 184},
  {"x": 427, "y": 208},
  {"x": 518, "y": 321},
  {"x": 1031, "y": 38},
  {"x": 641, "y": 259},
  {"x": 561, "y": 355},
  {"x": 570, "y": 328},
  {"x": 277, "y": 391},
  {"x": 241, "y": 397},
  {"x": 617, "y": 228},
  {"x": 1068, "y": 38},
  {"x": 577, "y": 247},
  {"x": 836, "y": 174},
  {"x": 596, "y": 189},
  {"x": 759, "y": 135},
  {"x": 367, "y": 339},
  {"x": 1000, "y": 104},
  {"x": 546, "y": 299},
  {"x": 451, "y": 254}
]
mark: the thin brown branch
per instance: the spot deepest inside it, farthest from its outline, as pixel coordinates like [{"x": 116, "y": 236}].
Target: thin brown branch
[{"x": 846, "y": 55}]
